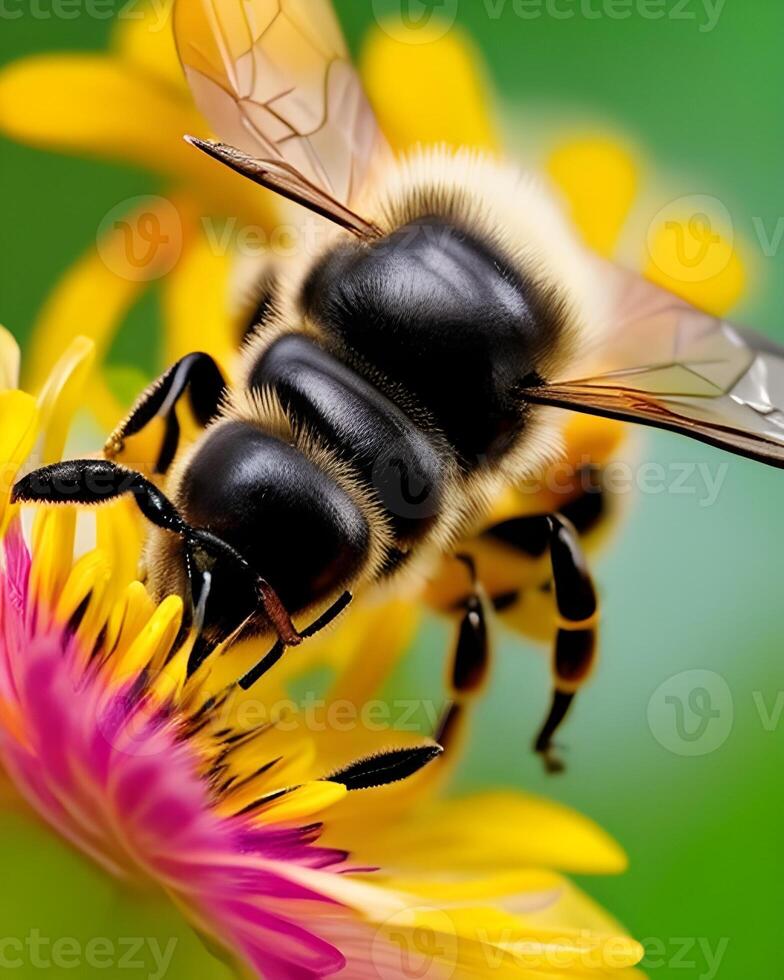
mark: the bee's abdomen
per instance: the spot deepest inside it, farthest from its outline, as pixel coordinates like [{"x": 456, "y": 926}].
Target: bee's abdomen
[
  {"x": 438, "y": 312},
  {"x": 403, "y": 466}
]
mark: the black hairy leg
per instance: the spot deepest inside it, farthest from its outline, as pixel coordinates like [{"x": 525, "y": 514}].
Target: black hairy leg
[
  {"x": 574, "y": 642},
  {"x": 470, "y": 663},
  {"x": 574, "y": 649},
  {"x": 199, "y": 376},
  {"x": 96, "y": 481}
]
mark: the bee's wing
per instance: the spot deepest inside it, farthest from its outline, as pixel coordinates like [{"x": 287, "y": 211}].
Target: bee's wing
[
  {"x": 274, "y": 79},
  {"x": 664, "y": 363}
]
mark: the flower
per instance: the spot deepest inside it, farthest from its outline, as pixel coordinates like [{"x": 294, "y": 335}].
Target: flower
[
  {"x": 109, "y": 764},
  {"x": 284, "y": 851}
]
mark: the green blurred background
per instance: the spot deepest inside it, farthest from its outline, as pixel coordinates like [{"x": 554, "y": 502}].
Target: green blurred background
[{"x": 685, "y": 588}]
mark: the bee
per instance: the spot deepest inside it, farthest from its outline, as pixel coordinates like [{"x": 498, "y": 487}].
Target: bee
[{"x": 400, "y": 379}]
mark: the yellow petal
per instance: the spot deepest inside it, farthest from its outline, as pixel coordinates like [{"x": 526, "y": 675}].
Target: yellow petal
[
  {"x": 18, "y": 429},
  {"x": 120, "y": 534},
  {"x": 301, "y": 803},
  {"x": 86, "y": 592},
  {"x": 599, "y": 178},
  {"x": 490, "y": 831},
  {"x": 289, "y": 755},
  {"x": 484, "y": 942},
  {"x": 171, "y": 678},
  {"x": 285, "y": 772},
  {"x": 429, "y": 93},
  {"x": 129, "y": 615},
  {"x": 460, "y": 890},
  {"x": 52, "y": 551},
  {"x": 557, "y": 953},
  {"x": 80, "y": 583},
  {"x": 142, "y": 449},
  {"x": 9, "y": 360},
  {"x": 146, "y": 42},
  {"x": 95, "y": 295},
  {"x": 196, "y": 301},
  {"x": 60, "y": 396},
  {"x": 697, "y": 261},
  {"x": 96, "y": 105},
  {"x": 102, "y": 105},
  {"x": 152, "y": 644},
  {"x": 575, "y": 910},
  {"x": 387, "y": 629}
]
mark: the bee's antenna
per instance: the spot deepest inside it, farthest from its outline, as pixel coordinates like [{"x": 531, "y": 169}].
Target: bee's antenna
[{"x": 283, "y": 179}]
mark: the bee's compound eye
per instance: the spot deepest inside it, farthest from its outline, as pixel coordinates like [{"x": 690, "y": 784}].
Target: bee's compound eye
[{"x": 294, "y": 525}]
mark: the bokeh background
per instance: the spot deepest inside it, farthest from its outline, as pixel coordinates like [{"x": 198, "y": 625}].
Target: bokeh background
[{"x": 698, "y": 94}]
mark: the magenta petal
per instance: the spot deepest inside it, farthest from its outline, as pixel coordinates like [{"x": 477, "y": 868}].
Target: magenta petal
[
  {"x": 302, "y": 949},
  {"x": 118, "y": 780}
]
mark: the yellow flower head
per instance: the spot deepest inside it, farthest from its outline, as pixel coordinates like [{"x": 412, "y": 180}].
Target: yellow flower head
[{"x": 290, "y": 853}]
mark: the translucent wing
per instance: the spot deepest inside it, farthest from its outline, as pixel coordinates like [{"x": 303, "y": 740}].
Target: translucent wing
[
  {"x": 274, "y": 79},
  {"x": 668, "y": 365}
]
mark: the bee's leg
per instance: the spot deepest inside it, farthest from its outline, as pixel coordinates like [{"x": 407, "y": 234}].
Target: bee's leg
[
  {"x": 200, "y": 376},
  {"x": 574, "y": 644},
  {"x": 97, "y": 481},
  {"x": 270, "y": 659},
  {"x": 575, "y": 641},
  {"x": 470, "y": 660}
]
